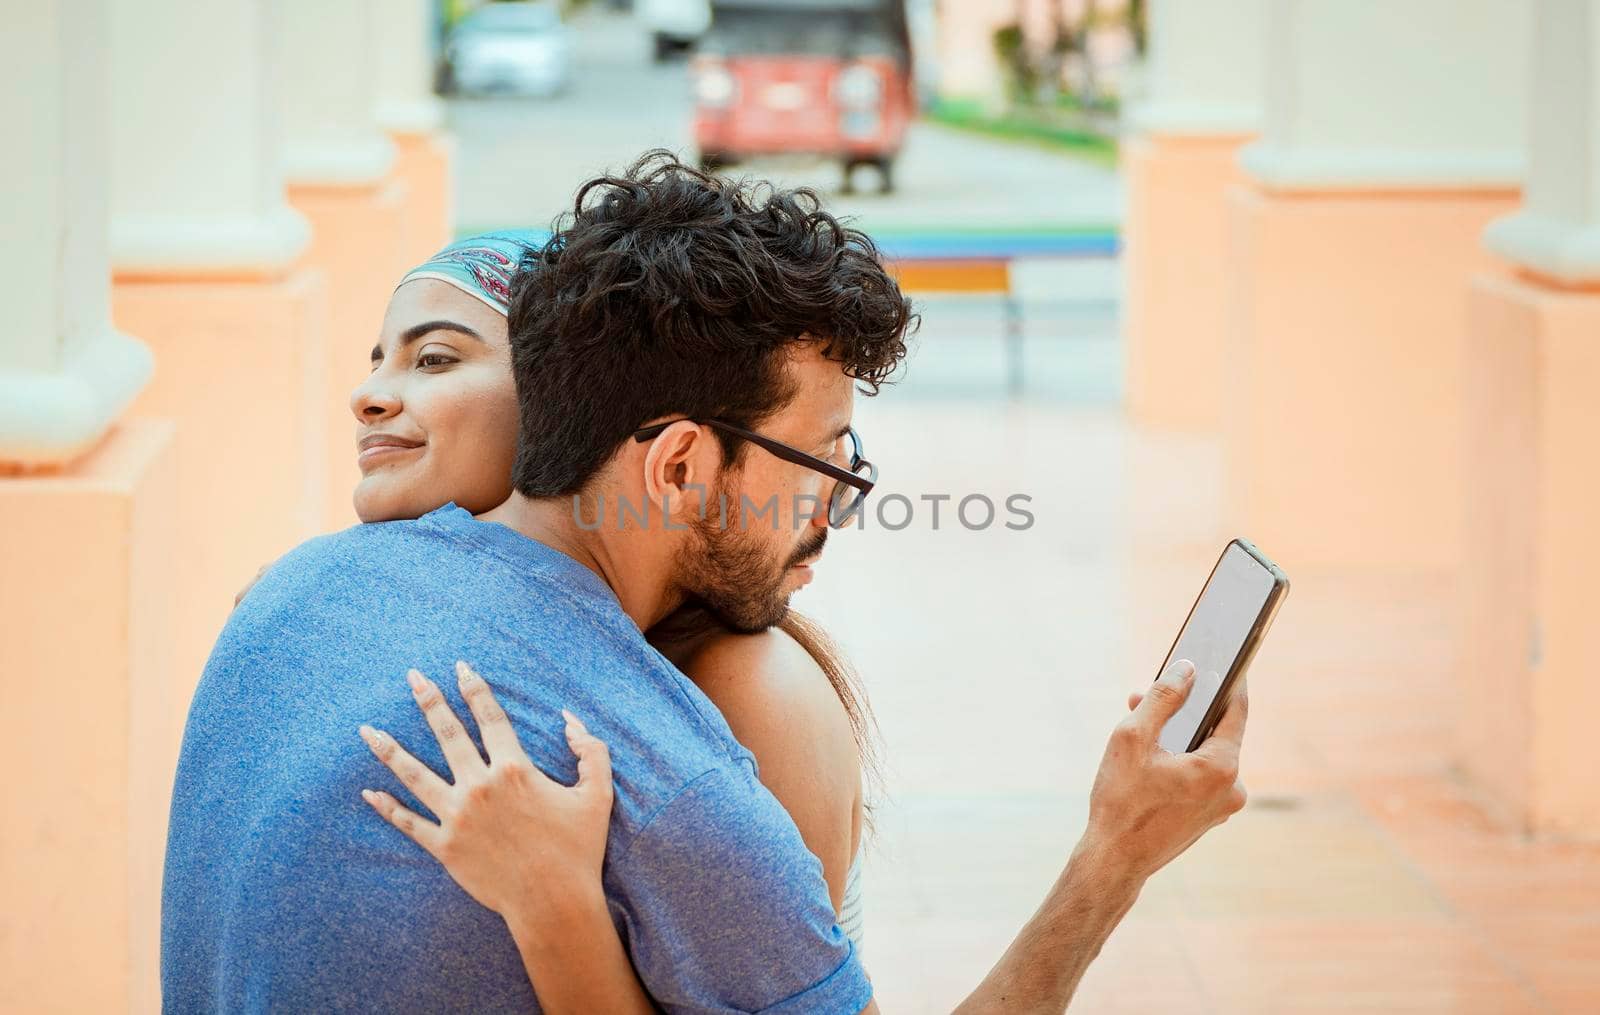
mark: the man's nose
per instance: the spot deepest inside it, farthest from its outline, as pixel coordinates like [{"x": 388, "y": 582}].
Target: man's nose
[{"x": 819, "y": 513}]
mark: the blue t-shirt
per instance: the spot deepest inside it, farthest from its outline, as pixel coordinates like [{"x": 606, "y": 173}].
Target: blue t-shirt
[{"x": 285, "y": 891}]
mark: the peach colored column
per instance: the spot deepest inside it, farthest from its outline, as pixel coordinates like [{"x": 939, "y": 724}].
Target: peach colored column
[
  {"x": 205, "y": 251},
  {"x": 1533, "y": 366},
  {"x": 87, "y": 530},
  {"x": 1356, "y": 233},
  {"x": 414, "y": 117},
  {"x": 86, "y": 595},
  {"x": 1205, "y": 70},
  {"x": 340, "y": 169}
]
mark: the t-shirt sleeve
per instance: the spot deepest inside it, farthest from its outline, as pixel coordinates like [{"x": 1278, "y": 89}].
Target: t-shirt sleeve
[{"x": 726, "y": 909}]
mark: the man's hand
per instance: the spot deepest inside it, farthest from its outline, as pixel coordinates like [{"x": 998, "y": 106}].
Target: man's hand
[{"x": 1149, "y": 805}]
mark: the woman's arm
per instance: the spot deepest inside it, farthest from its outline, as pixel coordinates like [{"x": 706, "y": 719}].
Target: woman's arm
[
  {"x": 520, "y": 843},
  {"x": 780, "y": 705}
]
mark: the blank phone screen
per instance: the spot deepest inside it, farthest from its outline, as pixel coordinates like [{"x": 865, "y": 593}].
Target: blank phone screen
[{"x": 1213, "y": 637}]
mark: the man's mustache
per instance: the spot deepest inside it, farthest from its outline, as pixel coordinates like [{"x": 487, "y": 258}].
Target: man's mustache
[{"x": 809, "y": 548}]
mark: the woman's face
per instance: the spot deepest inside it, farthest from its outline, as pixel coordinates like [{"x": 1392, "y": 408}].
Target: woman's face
[{"x": 437, "y": 420}]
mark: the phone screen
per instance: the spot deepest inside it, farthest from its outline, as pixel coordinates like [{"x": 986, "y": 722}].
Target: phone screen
[{"x": 1213, "y": 637}]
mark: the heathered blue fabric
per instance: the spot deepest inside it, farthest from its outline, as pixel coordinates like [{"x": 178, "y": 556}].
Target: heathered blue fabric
[{"x": 284, "y": 891}]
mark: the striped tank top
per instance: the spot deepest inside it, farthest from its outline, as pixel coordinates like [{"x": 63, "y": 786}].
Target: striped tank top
[{"x": 852, "y": 918}]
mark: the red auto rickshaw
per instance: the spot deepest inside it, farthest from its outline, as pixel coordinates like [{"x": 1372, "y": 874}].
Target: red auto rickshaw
[{"x": 829, "y": 78}]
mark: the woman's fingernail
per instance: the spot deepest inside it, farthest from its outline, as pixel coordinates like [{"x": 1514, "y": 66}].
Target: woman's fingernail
[
  {"x": 464, "y": 672},
  {"x": 369, "y": 796},
  {"x": 415, "y": 679},
  {"x": 370, "y": 735}
]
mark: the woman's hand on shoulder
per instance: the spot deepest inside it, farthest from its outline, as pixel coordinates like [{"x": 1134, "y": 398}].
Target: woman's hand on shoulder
[{"x": 514, "y": 839}]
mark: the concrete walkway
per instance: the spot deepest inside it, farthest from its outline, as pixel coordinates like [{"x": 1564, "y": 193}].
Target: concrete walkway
[{"x": 1362, "y": 877}]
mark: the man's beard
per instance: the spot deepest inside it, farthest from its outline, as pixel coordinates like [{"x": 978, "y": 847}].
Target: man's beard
[{"x": 731, "y": 572}]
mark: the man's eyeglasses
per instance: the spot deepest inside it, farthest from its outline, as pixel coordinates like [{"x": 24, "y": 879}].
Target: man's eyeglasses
[{"x": 850, "y": 487}]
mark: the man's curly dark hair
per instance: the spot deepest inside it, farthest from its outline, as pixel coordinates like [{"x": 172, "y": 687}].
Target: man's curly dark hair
[{"x": 667, "y": 291}]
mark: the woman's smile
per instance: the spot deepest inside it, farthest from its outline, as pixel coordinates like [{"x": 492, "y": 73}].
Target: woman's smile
[{"x": 377, "y": 448}]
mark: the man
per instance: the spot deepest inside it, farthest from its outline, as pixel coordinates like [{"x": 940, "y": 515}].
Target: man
[{"x": 686, "y": 359}]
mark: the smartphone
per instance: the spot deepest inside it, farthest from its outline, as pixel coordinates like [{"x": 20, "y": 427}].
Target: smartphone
[{"x": 1220, "y": 637}]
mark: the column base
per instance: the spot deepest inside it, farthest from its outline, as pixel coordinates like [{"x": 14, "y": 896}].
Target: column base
[
  {"x": 88, "y": 553},
  {"x": 1344, "y": 407},
  {"x": 357, "y": 243},
  {"x": 50, "y": 417},
  {"x": 241, "y": 370},
  {"x": 1177, "y": 262},
  {"x": 425, "y": 161},
  {"x": 1528, "y": 691}
]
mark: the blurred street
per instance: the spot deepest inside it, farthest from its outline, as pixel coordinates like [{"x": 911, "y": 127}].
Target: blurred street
[
  {"x": 521, "y": 160},
  {"x": 1363, "y": 876}
]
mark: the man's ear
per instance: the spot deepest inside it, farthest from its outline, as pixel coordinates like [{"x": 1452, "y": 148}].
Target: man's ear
[{"x": 679, "y": 470}]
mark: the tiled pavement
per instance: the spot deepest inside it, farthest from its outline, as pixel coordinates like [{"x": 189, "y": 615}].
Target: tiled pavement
[{"x": 1364, "y": 876}]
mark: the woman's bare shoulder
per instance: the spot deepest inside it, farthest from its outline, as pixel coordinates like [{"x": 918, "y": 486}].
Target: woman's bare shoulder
[
  {"x": 780, "y": 705},
  {"x": 769, "y": 686}
]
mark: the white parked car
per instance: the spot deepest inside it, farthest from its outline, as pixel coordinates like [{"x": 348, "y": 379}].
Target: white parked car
[
  {"x": 514, "y": 47},
  {"x": 674, "y": 24}
]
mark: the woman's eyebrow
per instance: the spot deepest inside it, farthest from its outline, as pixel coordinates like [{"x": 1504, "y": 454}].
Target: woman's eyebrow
[{"x": 416, "y": 331}]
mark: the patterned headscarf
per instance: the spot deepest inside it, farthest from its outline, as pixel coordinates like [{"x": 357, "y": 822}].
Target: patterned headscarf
[{"x": 481, "y": 266}]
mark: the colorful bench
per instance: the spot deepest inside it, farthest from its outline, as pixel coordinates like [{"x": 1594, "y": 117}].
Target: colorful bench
[{"x": 980, "y": 263}]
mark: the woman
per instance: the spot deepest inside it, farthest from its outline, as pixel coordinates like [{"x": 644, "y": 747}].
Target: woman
[{"x": 436, "y": 423}]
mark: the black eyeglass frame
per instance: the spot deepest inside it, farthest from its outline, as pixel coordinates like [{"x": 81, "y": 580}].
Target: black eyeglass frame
[{"x": 789, "y": 454}]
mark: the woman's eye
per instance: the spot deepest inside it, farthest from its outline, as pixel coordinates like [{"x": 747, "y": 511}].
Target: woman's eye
[{"x": 435, "y": 359}]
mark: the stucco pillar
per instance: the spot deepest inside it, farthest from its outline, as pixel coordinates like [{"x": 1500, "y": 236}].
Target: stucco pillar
[
  {"x": 340, "y": 168},
  {"x": 1393, "y": 134},
  {"x": 86, "y": 589},
  {"x": 1532, "y": 370},
  {"x": 206, "y": 258},
  {"x": 67, "y": 375},
  {"x": 86, "y": 515},
  {"x": 414, "y": 118},
  {"x": 1181, "y": 156}
]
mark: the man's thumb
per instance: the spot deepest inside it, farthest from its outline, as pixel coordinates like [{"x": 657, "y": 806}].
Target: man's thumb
[{"x": 1167, "y": 694}]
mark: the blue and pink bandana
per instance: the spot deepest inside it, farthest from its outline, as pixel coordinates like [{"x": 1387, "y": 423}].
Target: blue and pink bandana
[{"x": 481, "y": 266}]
